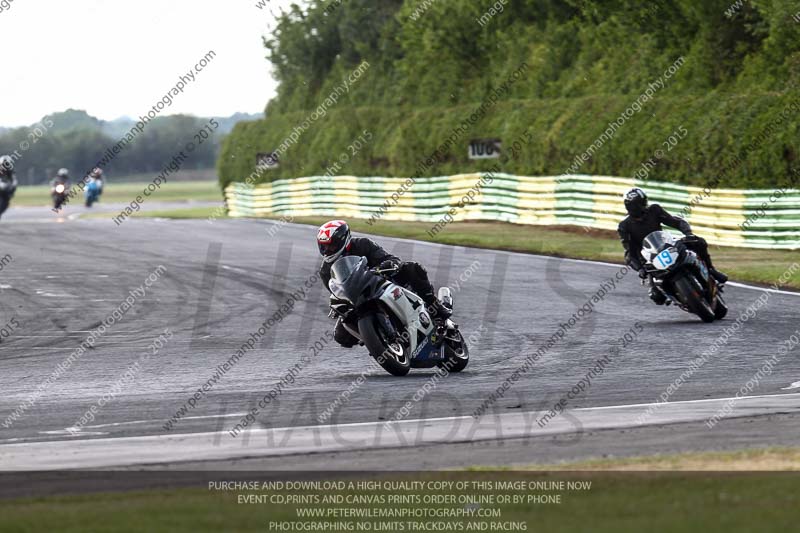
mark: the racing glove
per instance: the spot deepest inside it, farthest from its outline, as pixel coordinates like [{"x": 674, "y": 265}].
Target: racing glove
[{"x": 390, "y": 266}]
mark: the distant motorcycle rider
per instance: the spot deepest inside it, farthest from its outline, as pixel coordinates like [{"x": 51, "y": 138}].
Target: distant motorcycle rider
[
  {"x": 59, "y": 194},
  {"x": 8, "y": 182},
  {"x": 94, "y": 186},
  {"x": 97, "y": 175},
  {"x": 644, "y": 219},
  {"x": 335, "y": 240},
  {"x": 62, "y": 177}
]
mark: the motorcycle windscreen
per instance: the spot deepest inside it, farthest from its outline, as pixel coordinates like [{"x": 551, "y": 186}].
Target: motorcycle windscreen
[
  {"x": 346, "y": 277},
  {"x": 655, "y": 242}
]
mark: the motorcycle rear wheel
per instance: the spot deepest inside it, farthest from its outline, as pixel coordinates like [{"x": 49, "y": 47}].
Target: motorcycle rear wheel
[{"x": 391, "y": 356}]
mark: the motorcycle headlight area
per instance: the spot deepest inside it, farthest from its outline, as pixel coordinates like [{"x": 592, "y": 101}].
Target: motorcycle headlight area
[
  {"x": 337, "y": 289},
  {"x": 665, "y": 259}
]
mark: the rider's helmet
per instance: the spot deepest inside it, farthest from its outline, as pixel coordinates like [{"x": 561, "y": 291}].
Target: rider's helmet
[
  {"x": 6, "y": 164},
  {"x": 97, "y": 173},
  {"x": 63, "y": 173},
  {"x": 333, "y": 238},
  {"x": 636, "y": 202}
]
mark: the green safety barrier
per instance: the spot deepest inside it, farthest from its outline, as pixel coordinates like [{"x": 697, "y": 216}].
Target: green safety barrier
[{"x": 728, "y": 217}]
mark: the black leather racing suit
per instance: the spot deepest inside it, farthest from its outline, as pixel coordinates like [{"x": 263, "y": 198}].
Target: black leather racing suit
[
  {"x": 63, "y": 180},
  {"x": 410, "y": 274},
  {"x": 9, "y": 182},
  {"x": 632, "y": 232}
]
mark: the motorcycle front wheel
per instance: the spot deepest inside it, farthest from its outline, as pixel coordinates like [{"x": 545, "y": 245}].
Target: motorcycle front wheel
[
  {"x": 693, "y": 299},
  {"x": 721, "y": 308},
  {"x": 390, "y": 355},
  {"x": 457, "y": 353}
]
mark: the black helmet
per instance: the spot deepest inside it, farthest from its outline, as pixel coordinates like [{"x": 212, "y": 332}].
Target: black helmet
[
  {"x": 333, "y": 239},
  {"x": 636, "y": 202}
]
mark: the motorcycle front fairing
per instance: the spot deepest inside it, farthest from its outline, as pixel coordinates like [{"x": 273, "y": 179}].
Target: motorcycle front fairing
[
  {"x": 663, "y": 254},
  {"x": 352, "y": 280},
  {"x": 410, "y": 309},
  {"x": 667, "y": 257}
]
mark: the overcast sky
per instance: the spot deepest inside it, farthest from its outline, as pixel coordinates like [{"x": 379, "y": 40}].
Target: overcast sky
[{"x": 114, "y": 58}]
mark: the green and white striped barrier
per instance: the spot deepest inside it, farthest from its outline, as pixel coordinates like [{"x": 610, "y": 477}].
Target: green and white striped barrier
[{"x": 728, "y": 217}]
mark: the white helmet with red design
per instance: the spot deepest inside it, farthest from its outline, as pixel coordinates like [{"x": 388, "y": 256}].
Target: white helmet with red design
[{"x": 333, "y": 238}]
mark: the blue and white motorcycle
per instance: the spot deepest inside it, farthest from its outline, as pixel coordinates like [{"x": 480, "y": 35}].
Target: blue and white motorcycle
[
  {"x": 682, "y": 276},
  {"x": 93, "y": 190},
  {"x": 393, "y": 322}
]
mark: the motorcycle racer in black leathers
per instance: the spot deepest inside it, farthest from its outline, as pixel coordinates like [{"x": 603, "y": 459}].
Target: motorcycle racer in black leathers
[
  {"x": 642, "y": 220},
  {"x": 8, "y": 182},
  {"x": 58, "y": 196},
  {"x": 335, "y": 240}
]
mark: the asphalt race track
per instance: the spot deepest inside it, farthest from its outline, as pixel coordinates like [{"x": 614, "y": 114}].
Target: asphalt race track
[{"x": 220, "y": 280}]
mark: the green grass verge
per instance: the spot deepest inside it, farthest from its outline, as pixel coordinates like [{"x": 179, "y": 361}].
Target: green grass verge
[
  {"x": 177, "y": 214},
  {"x": 173, "y": 191},
  {"x": 615, "y": 502},
  {"x": 764, "y": 459},
  {"x": 192, "y": 212},
  {"x": 742, "y": 264},
  {"x": 207, "y": 174}
]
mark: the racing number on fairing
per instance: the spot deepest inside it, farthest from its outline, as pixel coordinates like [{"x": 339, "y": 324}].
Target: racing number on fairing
[{"x": 665, "y": 259}]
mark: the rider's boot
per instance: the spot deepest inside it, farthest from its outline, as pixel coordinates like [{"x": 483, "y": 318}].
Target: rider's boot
[
  {"x": 438, "y": 311},
  {"x": 719, "y": 276},
  {"x": 658, "y": 296}
]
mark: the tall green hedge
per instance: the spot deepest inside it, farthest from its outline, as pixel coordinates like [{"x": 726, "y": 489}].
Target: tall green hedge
[
  {"x": 588, "y": 60},
  {"x": 719, "y": 129}
]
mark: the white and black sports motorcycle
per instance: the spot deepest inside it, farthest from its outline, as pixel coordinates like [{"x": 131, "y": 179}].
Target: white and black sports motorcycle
[
  {"x": 393, "y": 322},
  {"x": 682, "y": 276}
]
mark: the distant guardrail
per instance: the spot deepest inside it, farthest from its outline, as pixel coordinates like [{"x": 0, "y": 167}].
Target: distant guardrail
[{"x": 728, "y": 217}]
